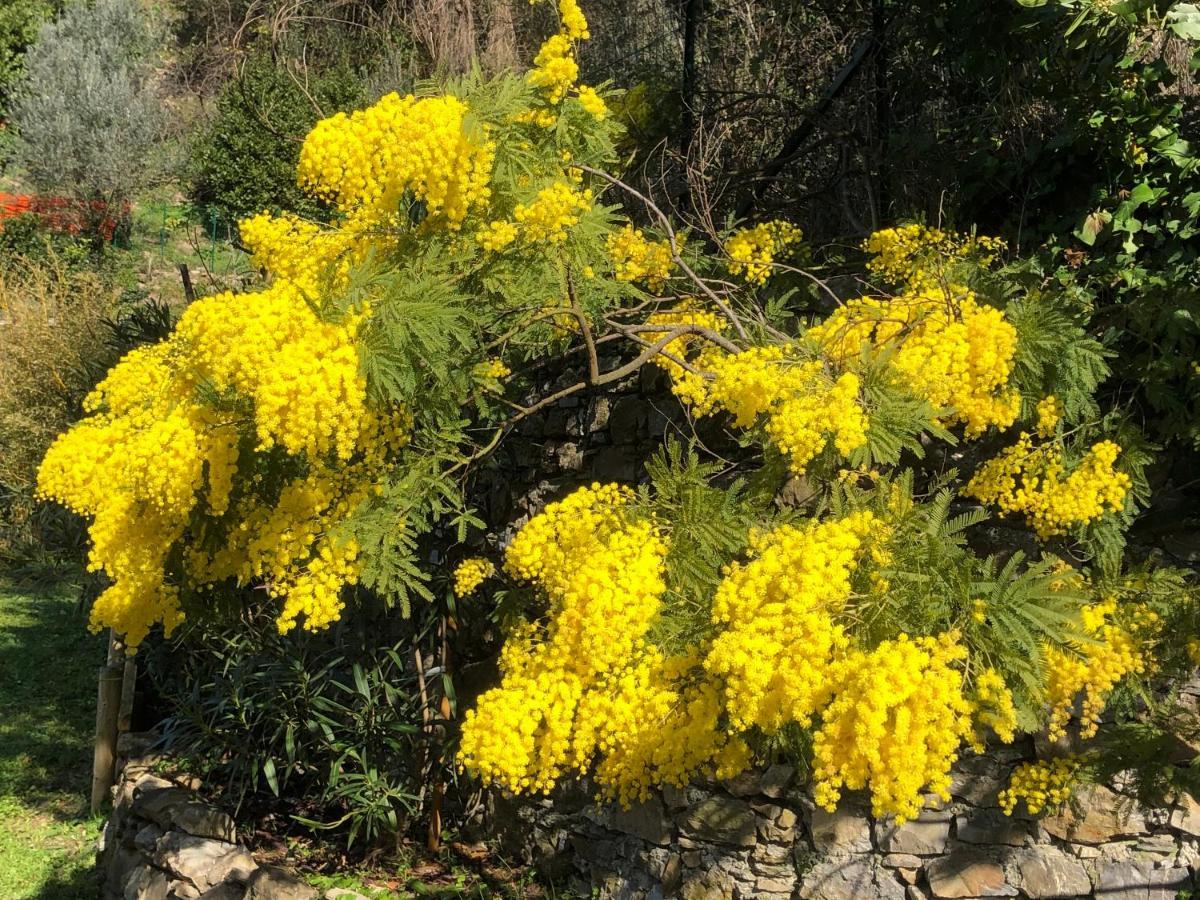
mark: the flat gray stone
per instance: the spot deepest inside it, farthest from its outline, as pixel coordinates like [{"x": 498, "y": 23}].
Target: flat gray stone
[
  {"x": 967, "y": 873},
  {"x": 722, "y": 820},
  {"x": 1139, "y": 880},
  {"x": 273, "y": 883},
  {"x": 146, "y": 883},
  {"x": 920, "y": 837},
  {"x": 173, "y": 807},
  {"x": 226, "y": 890},
  {"x": 1186, "y": 816},
  {"x": 991, "y": 826},
  {"x": 853, "y": 878},
  {"x": 1048, "y": 872},
  {"x": 842, "y": 831},
  {"x": 978, "y": 780},
  {"x": 203, "y": 862},
  {"x": 1096, "y": 815},
  {"x": 646, "y": 820}
]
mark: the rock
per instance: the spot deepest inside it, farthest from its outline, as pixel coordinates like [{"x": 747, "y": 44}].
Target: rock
[
  {"x": 569, "y": 457},
  {"x": 1186, "y": 816},
  {"x": 776, "y": 780},
  {"x": 173, "y": 807},
  {"x": 646, "y": 820},
  {"x": 923, "y": 836},
  {"x": 978, "y": 780},
  {"x": 722, "y": 820},
  {"x": 147, "y": 838},
  {"x": 146, "y": 883},
  {"x": 1141, "y": 880},
  {"x": 227, "y": 890},
  {"x": 711, "y": 885},
  {"x": 1096, "y": 815},
  {"x": 967, "y": 873},
  {"x": 203, "y": 862},
  {"x": 855, "y": 878},
  {"x": 675, "y": 798},
  {"x": 903, "y": 861},
  {"x": 991, "y": 826},
  {"x": 841, "y": 831},
  {"x": 778, "y": 885},
  {"x": 1048, "y": 872},
  {"x": 273, "y": 883}
]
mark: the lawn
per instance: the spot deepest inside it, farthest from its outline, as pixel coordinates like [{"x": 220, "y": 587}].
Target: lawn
[{"x": 47, "y": 707}]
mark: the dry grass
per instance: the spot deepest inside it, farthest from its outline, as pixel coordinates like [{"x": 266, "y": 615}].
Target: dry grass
[{"x": 52, "y": 349}]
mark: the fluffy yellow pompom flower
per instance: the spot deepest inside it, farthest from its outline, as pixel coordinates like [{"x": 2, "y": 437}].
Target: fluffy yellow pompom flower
[
  {"x": 602, "y": 574},
  {"x": 1049, "y": 412},
  {"x": 777, "y": 613},
  {"x": 635, "y": 258},
  {"x": 943, "y": 345},
  {"x": 1042, "y": 785},
  {"x": 551, "y": 214},
  {"x": 365, "y": 161},
  {"x": 1030, "y": 480},
  {"x": 752, "y": 251},
  {"x": 470, "y": 574},
  {"x": 592, "y": 102},
  {"x": 1117, "y": 643},
  {"x": 894, "y": 726},
  {"x": 804, "y": 408}
]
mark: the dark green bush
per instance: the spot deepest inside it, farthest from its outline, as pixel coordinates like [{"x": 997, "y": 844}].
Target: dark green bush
[
  {"x": 330, "y": 722},
  {"x": 244, "y": 162}
]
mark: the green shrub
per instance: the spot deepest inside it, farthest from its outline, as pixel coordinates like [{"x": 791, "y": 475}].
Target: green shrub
[
  {"x": 327, "y": 717},
  {"x": 245, "y": 161}
]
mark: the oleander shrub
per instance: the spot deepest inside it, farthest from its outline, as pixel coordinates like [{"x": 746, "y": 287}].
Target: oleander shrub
[{"x": 306, "y": 452}]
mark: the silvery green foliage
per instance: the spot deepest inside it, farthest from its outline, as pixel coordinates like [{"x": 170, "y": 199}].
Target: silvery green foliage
[{"x": 88, "y": 117}]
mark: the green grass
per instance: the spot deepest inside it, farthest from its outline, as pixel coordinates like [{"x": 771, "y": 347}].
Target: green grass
[{"x": 47, "y": 711}]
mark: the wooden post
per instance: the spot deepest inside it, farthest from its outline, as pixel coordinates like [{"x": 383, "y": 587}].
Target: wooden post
[{"x": 108, "y": 710}]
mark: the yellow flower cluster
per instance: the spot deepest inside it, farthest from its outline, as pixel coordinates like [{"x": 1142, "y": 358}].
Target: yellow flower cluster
[
  {"x": 367, "y": 161},
  {"x": 291, "y": 249},
  {"x": 552, "y": 213},
  {"x": 554, "y": 68},
  {"x": 994, "y": 707},
  {"x": 492, "y": 369},
  {"x": 586, "y": 687},
  {"x": 777, "y": 612},
  {"x": 592, "y": 102},
  {"x": 470, "y": 574},
  {"x": 753, "y": 251},
  {"x": 685, "y": 313},
  {"x": 635, "y": 258},
  {"x": 1049, "y": 414},
  {"x": 804, "y": 408},
  {"x": 165, "y": 431},
  {"x": 1116, "y": 644},
  {"x": 497, "y": 235},
  {"x": 1030, "y": 480},
  {"x": 944, "y": 346},
  {"x": 1045, "y": 784},
  {"x": 895, "y": 725},
  {"x": 918, "y": 256}
]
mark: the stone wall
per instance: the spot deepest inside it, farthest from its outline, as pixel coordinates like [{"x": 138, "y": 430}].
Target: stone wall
[
  {"x": 162, "y": 842},
  {"x": 761, "y": 836}
]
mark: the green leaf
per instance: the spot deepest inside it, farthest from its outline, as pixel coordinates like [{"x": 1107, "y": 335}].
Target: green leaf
[{"x": 1092, "y": 225}]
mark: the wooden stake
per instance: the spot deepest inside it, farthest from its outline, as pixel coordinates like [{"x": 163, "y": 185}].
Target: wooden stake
[{"x": 108, "y": 709}]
